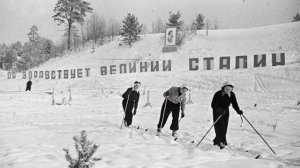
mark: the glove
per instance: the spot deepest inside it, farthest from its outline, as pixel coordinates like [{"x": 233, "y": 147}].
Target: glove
[
  {"x": 134, "y": 112},
  {"x": 240, "y": 112},
  {"x": 182, "y": 114}
]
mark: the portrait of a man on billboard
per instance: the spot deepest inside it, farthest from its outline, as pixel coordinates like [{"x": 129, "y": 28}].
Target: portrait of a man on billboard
[{"x": 170, "y": 37}]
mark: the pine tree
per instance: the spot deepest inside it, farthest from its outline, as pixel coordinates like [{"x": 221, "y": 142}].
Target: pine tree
[
  {"x": 199, "y": 22},
  {"x": 34, "y": 52},
  {"x": 33, "y": 35},
  {"x": 9, "y": 58},
  {"x": 296, "y": 18},
  {"x": 158, "y": 26},
  {"x": 70, "y": 11},
  {"x": 130, "y": 30},
  {"x": 85, "y": 150},
  {"x": 174, "y": 19}
]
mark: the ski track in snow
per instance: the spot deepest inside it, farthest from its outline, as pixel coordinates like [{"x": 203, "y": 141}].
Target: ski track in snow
[{"x": 33, "y": 132}]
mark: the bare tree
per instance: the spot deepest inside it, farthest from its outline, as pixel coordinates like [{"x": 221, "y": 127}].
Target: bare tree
[
  {"x": 158, "y": 26},
  {"x": 207, "y": 26},
  {"x": 216, "y": 24},
  {"x": 113, "y": 28},
  {"x": 97, "y": 27},
  {"x": 83, "y": 31}
]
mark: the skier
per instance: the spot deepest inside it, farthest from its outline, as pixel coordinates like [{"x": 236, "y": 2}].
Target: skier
[
  {"x": 175, "y": 98},
  {"x": 130, "y": 101},
  {"x": 220, "y": 105},
  {"x": 28, "y": 85}
]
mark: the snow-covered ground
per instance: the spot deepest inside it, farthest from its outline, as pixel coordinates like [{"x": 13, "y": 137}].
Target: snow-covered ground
[{"x": 33, "y": 132}]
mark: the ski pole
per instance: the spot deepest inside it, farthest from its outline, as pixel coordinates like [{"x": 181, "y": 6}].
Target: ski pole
[
  {"x": 179, "y": 120},
  {"x": 162, "y": 120},
  {"x": 124, "y": 113},
  {"x": 209, "y": 130},
  {"x": 259, "y": 134}
]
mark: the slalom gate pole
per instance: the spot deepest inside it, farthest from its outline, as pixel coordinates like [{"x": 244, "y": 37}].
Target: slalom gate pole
[
  {"x": 124, "y": 113},
  {"x": 162, "y": 120},
  {"x": 259, "y": 134},
  {"x": 209, "y": 130}
]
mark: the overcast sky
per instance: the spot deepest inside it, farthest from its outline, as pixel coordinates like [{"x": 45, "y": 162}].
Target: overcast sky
[{"x": 18, "y": 16}]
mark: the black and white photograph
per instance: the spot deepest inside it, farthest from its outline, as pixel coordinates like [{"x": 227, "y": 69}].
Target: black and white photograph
[
  {"x": 171, "y": 35},
  {"x": 149, "y": 83}
]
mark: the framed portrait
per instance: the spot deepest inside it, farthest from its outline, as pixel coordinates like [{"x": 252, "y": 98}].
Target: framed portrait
[{"x": 170, "y": 37}]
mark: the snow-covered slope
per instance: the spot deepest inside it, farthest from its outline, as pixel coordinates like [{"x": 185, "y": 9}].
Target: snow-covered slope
[
  {"x": 33, "y": 132},
  {"x": 282, "y": 38}
]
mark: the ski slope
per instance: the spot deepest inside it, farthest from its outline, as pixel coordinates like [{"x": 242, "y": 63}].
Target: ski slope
[{"x": 33, "y": 132}]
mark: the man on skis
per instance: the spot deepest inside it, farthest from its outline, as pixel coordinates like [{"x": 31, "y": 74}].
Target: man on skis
[
  {"x": 220, "y": 105},
  {"x": 175, "y": 98},
  {"x": 130, "y": 101}
]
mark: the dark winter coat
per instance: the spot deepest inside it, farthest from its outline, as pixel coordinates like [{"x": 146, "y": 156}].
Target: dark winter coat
[
  {"x": 130, "y": 101},
  {"x": 223, "y": 101},
  {"x": 28, "y": 85},
  {"x": 133, "y": 96},
  {"x": 220, "y": 104}
]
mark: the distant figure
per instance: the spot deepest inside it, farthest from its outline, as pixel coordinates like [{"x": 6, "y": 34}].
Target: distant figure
[
  {"x": 130, "y": 101},
  {"x": 175, "y": 99},
  {"x": 170, "y": 37},
  {"x": 220, "y": 105},
  {"x": 28, "y": 85}
]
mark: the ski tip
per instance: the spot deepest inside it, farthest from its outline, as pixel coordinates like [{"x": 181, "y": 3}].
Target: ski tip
[
  {"x": 146, "y": 129},
  {"x": 257, "y": 157},
  {"x": 193, "y": 142}
]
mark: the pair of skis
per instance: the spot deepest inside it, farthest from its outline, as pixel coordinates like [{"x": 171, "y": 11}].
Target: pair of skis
[{"x": 180, "y": 140}]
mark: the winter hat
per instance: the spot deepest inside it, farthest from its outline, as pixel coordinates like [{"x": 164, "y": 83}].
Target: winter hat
[
  {"x": 137, "y": 83},
  {"x": 183, "y": 86},
  {"x": 226, "y": 83}
]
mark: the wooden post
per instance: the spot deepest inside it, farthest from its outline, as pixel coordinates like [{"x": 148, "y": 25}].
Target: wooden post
[
  {"x": 190, "y": 99},
  {"x": 148, "y": 100},
  {"x": 70, "y": 95},
  {"x": 53, "y": 101}
]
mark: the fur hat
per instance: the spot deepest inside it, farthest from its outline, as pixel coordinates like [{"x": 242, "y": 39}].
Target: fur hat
[{"x": 226, "y": 83}]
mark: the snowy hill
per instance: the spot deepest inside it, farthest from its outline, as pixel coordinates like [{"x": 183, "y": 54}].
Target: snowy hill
[
  {"x": 33, "y": 132},
  {"x": 282, "y": 38}
]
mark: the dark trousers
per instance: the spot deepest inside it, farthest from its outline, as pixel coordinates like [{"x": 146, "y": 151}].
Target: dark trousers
[
  {"x": 220, "y": 128},
  {"x": 128, "y": 112},
  {"x": 28, "y": 88},
  {"x": 170, "y": 107}
]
